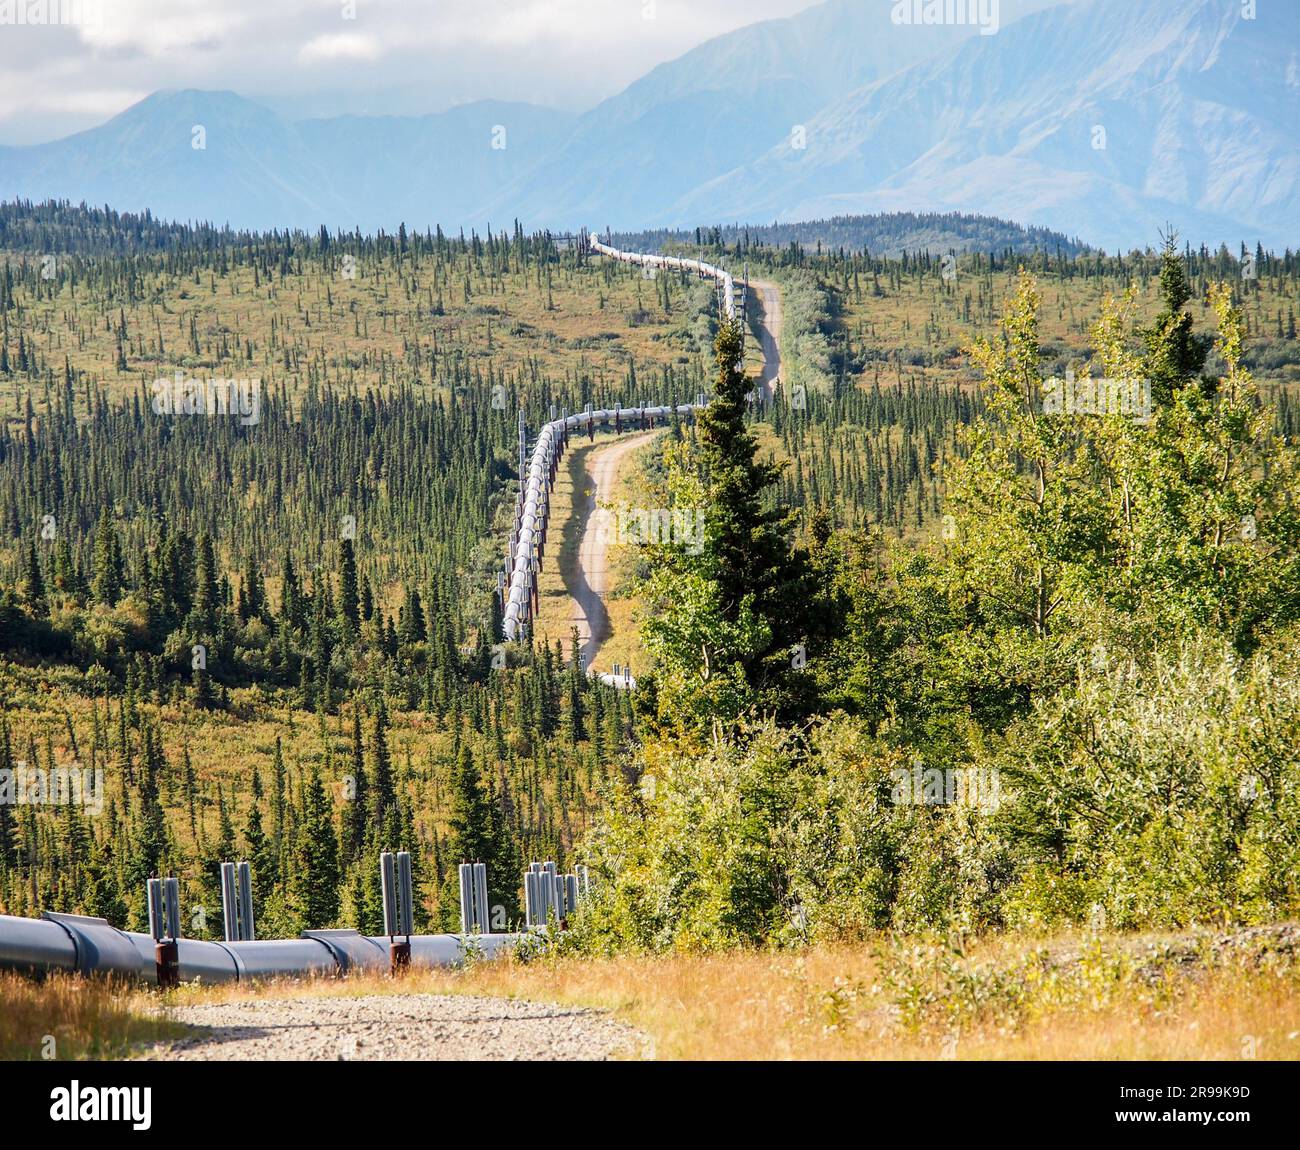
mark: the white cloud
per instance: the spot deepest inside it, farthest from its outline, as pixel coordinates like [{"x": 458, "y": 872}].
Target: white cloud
[
  {"x": 340, "y": 46},
  {"x": 158, "y": 29},
  {"x": 395, "y": 56}
]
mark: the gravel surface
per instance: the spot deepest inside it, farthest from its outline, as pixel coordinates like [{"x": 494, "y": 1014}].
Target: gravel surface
[
  {"x": 771, "y": 320},
  {"x": 588, "y": 583},
  {"x": 423, "y": 1027}
]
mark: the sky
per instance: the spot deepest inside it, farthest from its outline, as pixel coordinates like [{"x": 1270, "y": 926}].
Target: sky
[{"x": 329, "y": 57}]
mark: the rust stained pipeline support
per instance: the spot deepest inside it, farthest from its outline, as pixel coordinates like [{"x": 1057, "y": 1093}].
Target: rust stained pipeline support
[
  {"x": 165, "y": 928},
  {"x": 399, "y": 910},
  {"x": 167, "y": 958}
]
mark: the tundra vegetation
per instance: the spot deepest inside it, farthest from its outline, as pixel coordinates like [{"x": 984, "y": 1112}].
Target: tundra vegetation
[{"x": 945, "y": 663}]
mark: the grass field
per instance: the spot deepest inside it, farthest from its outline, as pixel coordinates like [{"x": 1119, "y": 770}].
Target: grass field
[
  {"x": 387, "y": 322},
  {"x": 1193, "y": 996},
  {"x": 1065, "y": 997},
  {"x": 67, "y": 1018}
]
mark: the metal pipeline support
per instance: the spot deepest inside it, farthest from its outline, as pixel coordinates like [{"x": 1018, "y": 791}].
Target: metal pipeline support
[
  {"x": 164, "y": 898},
  {"x": 551, "y": 896},
  {"x": 475, "y": 914},
  {"x": 229, "y": 903},
  {"x": 399, "y": 907},
  {"x": 247, "y": 926},
  {"x": 481, "y": 895}
]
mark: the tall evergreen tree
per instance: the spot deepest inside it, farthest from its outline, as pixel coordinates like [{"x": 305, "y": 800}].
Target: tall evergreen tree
[
  {"x": 383, "y": 793},
  {"x": 34, "y": 583},
  {"x": 108, "y": 565},
  {"x": 315, "y": 880},
  {"x": 1175, "y": 354},
  {"x": 349, "y": 602}
]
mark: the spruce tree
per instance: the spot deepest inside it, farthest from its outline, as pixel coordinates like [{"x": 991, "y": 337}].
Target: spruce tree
[
  {"x": 252, "y": 596},
  {"x": 356, "y": 812},
  {"x": 383, "y": 795},
  {"x": 349, "y": 604},
  {"x": 108, "y": 568},
  {"x": 34, "y": 584},
  {"x": 1175, "y": 355},
  {"x": 206, "y": 595},
  {"x": 315, "y": 881}
]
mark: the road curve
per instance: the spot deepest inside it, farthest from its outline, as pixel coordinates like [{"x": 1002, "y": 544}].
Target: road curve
[
  {"x": 588, "y": 583},
  {"x": 770, "y": 320}
]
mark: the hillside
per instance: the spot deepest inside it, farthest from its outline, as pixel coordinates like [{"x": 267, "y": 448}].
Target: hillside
[
  {"x": 1184, "y": 137},
  {"x": 888, "y": 234},
  {"x": 217, "y": 157},
  {"x": 276, "y": 638},
  {"x": 269, "y": 628}
]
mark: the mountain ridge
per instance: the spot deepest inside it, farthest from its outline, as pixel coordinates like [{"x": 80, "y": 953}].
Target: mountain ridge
[{"x": 834, "y": 111}]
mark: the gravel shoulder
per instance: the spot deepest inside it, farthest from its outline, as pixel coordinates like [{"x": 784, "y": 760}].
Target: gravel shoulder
[{"x": 394, "y": 1027}]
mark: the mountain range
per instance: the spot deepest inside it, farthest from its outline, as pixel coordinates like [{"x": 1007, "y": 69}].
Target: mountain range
[{"x": 1104, "y": 119}]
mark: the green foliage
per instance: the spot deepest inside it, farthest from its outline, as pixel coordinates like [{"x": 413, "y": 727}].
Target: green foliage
[
  {"x": 1109, "y": 624},
  {"x": 730, "y": 612},
  {"x": 315, "y": 882},
  {"x": 778, "y": 836},
  {"x": 1164, "y": 794},
  {"x": 1156, "y": 797},
  {"x": 1107, "y": 636}
]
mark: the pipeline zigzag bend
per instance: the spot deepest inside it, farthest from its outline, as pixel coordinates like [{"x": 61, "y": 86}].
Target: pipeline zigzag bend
[{"x": 528, "y": 539}]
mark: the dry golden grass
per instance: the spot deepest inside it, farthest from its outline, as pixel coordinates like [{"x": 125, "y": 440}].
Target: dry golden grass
[
  {"x": 1117, "y": 999},
  {"x": 69, "y": 1018},
  {"x": 590, "y": 320}
]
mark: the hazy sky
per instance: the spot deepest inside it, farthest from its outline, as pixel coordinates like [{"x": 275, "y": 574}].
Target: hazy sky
[{"x": 323, "y": 57}]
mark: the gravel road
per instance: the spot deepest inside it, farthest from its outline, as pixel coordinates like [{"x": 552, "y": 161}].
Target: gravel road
[
  {"x": 589, "y": 582},
  {"x": 418, "y": 1027},
  {"x": 772, "y": 319}
]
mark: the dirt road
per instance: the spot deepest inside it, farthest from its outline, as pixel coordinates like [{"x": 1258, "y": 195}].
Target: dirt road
[
  {"x": 589, "y": 582},
  {"x": 768, "y": 297},
  {"x": 418, "y": 1027}
]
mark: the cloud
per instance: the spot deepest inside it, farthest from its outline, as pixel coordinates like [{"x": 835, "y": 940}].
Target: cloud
[
  {"x": 163, "y": 29},
  {"x": 340, "y": 46},
  {"x": 390, "y": 56}
]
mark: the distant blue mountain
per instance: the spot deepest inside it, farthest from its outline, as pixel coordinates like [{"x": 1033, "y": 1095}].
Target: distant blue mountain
[
  {"x": 838, "y": 110},
  {"x": 1193, "y": 110},
  {"x": 257, "y": 170}
]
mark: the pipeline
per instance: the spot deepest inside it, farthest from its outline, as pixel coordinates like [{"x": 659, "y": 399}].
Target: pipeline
[
  {"x": 88, "y": 945},
  {"x": 529, "y": 537},
  {"x": 527, "y": 541},
  {"x": 727, "y": 285},
  {"x": 81, "y": 944},
  {"x": 84, "y": 945}
]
